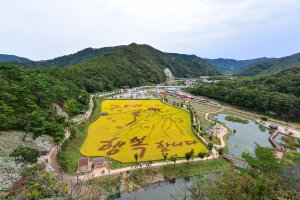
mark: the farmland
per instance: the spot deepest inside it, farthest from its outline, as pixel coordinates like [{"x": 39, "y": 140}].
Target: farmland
[{"x": 147, "y": 128}]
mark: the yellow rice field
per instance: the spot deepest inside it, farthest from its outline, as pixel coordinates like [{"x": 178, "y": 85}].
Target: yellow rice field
[{"x": 145, "y": 127}]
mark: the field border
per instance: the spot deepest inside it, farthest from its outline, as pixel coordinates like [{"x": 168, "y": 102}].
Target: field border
[{"x": 154, "y": 160}]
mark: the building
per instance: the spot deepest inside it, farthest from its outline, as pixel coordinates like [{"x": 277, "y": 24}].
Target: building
[
  {"x": 83, "y": 164},
  {"x": 99, "y": 162}
]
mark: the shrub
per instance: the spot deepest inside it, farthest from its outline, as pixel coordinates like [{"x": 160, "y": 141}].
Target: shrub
[
  {"x": 48, "y": 185},
  {"x": 264, "y": 118},
  {"x": 26, "y": 154},
  {"x": 221, "y": 151},
  {"x": 30, "y": 171}
]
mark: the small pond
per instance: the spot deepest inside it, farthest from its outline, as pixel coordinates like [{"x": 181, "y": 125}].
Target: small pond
[
  {"x": 164, "y": 190},
  {"x": 246, "y": 136}
]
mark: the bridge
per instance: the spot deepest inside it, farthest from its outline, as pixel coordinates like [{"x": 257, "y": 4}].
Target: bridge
[
  {"x": 273, "y": 141},
  {"x": 237, "y": 162}
]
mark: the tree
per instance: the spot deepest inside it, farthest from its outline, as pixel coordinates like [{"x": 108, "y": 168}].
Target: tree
[
  {"x": 26, "y": 154},
  {"x": 136, "y": 157},
  {"x": 192, "y": 152},
  {"x": 165, "y": 156},
  {"x": 264, "y": 160},
  {"x": 221, "y": 150},
  {"x": 173, "y": 158},
  {"x": 201, "y": 155},
  {"x": 188, "y": 156},
  {"x": 210, "y": 146}
]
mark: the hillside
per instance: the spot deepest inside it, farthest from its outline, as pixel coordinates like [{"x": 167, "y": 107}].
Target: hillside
[
  {"x": 26, "y": 97},
  {"x": 73, "y": 59},
  {"x": 150, "y": 57},
  {"x": 231, "y": 66},
  {"x": 278, "y": 93},
  {"x": 272, "y": 66},
  {"x": 131, "y": 65},
  {"x": 13, "y": 58},
  {"x": 27, "y": 94}
]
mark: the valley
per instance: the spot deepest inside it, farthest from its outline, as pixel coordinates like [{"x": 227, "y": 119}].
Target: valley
[{"x": 118, "y": 119}]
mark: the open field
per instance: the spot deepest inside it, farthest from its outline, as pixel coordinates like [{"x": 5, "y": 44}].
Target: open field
[
  {"x": 145, "y": 127},
  {"x": 201, "y": 110}
]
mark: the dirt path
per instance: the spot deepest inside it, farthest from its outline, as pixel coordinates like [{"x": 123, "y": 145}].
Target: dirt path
[
  {"x": 223, "y": 130},
  {"x": 88, "y": 176},
  {"x": 52, "y": 156}
]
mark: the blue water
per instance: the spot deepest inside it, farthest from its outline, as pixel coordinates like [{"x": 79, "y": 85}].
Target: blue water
[{"x": 246, "y": 136}]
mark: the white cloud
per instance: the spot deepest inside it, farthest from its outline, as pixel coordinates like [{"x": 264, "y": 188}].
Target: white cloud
[{"x": 48, "y": 28}]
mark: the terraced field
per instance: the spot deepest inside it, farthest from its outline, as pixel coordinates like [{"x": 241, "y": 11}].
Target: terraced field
[{"x": 146, "y": 127}]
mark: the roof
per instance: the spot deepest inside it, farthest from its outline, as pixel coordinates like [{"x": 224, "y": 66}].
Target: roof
[
  {"x": 97, "y": 161},
  {"x": 83, "y": 161}
]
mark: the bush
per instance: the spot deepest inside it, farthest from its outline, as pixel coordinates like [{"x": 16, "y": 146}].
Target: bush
[
  {"x": 264, "y": 118},
  {"x": 26, "y": 154},
  {"x": 48, "y": 185},
  {"x": 236, "y": 119},
  {"x": 30, "y": 171},
  {"x": 221, "y": 151}
]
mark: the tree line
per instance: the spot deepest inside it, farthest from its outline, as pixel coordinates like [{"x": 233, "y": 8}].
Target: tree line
[
  {"x": 278, "y": 93},
  {"x": 27, "y": 97}
]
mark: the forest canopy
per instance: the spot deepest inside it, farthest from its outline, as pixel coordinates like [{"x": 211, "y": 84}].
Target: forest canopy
[{"x": 278, "y": 93}]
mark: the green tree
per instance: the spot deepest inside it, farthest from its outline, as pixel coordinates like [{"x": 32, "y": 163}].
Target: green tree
[
  {"x": 210, "y": 146},
  {"x": 26, "y": 154},
  {"x": 221, "y": 151},
  {"x": 188, "y": 156},
  {"x": 264, "y": 160},
  {"x": 173, "y": 158},
  {"x": 165, "y": 156},
  {"x": 201, "y": 155}
]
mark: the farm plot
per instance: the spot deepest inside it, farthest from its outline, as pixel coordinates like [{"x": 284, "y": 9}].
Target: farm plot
[{"x": 144, "y": 127}]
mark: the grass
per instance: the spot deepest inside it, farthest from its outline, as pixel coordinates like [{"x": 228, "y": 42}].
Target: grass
[
  {"x": 236, "y": 119},
  {"x": 200, "y": 109},
  {"x": 144, "y": 177},
  {"x": 70, "y": 152},
  {"x": 147, "y": 176},
  {"x": 194, "y": 168}
]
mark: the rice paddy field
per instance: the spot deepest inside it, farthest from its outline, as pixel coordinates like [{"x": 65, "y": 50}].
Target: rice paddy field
[{"x": 148, "y": 128}]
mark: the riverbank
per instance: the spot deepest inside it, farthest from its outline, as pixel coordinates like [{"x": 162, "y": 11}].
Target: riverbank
[{"x": 147, "y": 176}]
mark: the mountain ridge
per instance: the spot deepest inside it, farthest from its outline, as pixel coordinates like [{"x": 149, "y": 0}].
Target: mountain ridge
[
  {"x": 13, "y": 58},
  {"x": 272, "y": 66},
  {"x": 232, "y": 66}
]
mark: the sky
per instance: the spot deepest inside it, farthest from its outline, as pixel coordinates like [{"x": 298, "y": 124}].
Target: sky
[{"x": 239, "y": 29}]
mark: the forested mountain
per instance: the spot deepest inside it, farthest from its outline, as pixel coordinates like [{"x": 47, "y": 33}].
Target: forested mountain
[
  {"x": 130, "y": 65},
  {"x": 279, "y": 93},
  {"x": 231, "y": 66},
  {"x": 272, "y": 66},
  {"x": 73, "y": 59},
  {"x": 195, "y": 63},
  {"x": 12, "y": 58},
  {"x": 152, "y": 58},
  {"x": 27, "y": 94},
  {"x": 26, "y": 98}
]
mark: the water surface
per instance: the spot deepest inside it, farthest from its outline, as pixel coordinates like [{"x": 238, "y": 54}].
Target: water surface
[{"x": 246, "y": 136}]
